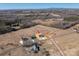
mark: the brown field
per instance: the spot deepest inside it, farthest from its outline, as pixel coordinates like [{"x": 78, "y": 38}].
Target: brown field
[{"x": 66, "y": 39}]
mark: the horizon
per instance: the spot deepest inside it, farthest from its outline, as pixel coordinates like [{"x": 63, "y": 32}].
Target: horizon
[{"x": 10, "y": 6}]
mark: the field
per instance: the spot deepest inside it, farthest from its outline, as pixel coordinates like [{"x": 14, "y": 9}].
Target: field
[
  {"x": 66, "y": 39},
  {"x": 15, "y": 24}
]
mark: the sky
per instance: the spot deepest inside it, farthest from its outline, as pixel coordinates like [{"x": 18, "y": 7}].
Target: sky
[{"x": 37, "y": 5}]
